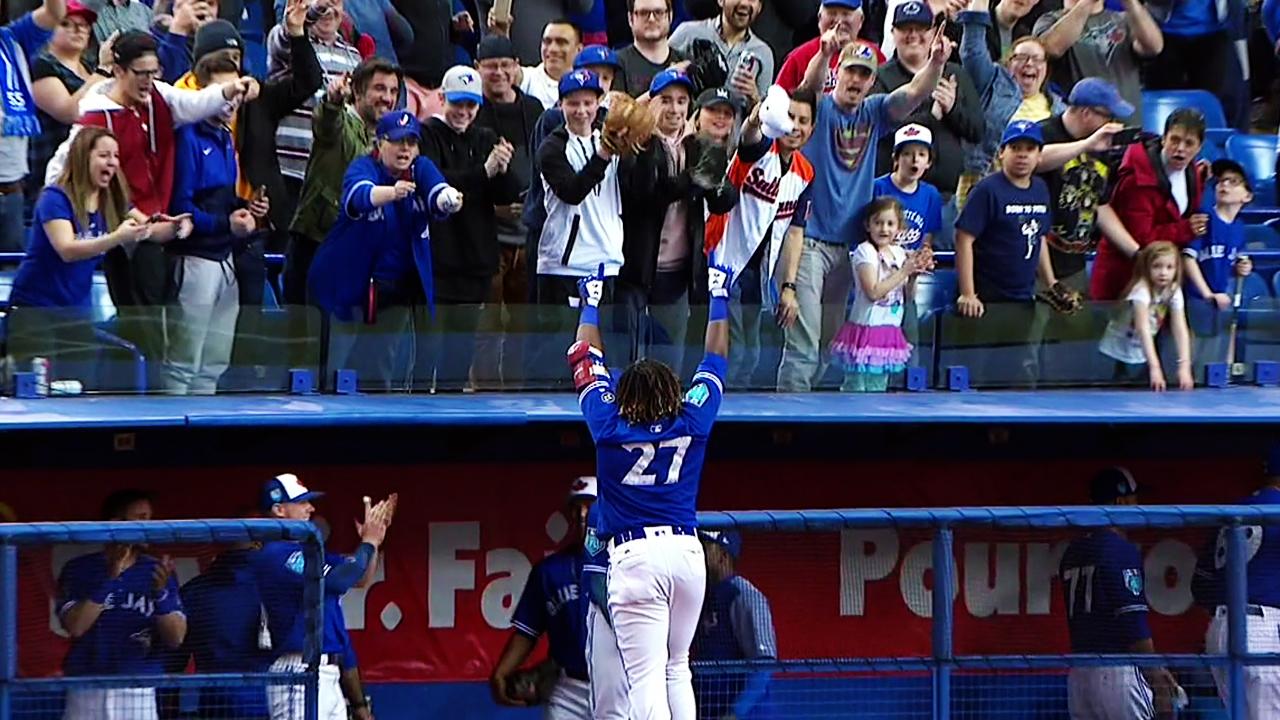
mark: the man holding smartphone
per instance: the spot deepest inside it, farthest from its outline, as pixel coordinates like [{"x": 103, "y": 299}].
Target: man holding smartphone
[{"x": 749, "y": 59}]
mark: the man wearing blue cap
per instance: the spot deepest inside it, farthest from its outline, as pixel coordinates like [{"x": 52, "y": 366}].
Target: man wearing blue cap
[
  {"x": 1089, "y": 39},
  {"x": 736, "y": 624},
  {"x": 279, "y": 570},
  {"x": 373, "y": 272},
  {"x": 1000, "y": 234},
  {"x": 1262, "y": 609},
  {"x": 464, "y": 246}
]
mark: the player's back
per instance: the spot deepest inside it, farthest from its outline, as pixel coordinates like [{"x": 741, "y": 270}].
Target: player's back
[
  {"x": 1104, "y": 593},
  {"x": 649, "y": 474}
]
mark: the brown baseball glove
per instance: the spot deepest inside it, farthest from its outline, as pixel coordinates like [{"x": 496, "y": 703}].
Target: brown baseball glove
[
  {"x": 628, "y": 126},
  {"x": 1063, "y": 299},
  {"x": 535, "y": 684}
]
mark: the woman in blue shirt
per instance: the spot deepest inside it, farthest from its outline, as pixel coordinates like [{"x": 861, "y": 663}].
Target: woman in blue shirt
[
  {"x": 374, "y": 268},
  {"x": 75, "y": 221}
]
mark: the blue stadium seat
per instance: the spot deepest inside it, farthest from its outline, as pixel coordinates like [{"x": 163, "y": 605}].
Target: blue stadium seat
[
  {"x": 1157, "y": 105},
  {"x": 1257, "y": 153},
  {"x": 1255, "y": 290},
  {"x": 6, "y": 285},
  {"x": 1261, "y": 237}
]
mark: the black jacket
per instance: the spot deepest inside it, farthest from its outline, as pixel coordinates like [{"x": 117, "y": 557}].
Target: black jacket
[
  {"x": 515, "y": 122},
  {"x": 431, "y": 52},
  {"x": 965, "y": 122},
  {"x": 256, "y": 128},
  {"x": 644, "y": 213},
  {"x": 465, "y": 245}
]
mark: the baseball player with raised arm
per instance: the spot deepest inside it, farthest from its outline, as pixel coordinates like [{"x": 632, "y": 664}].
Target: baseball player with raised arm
[
  {"x": 651, "y": 439},
  {"x": 604, "y": 663},
  {"x": 552, "y": 603},
  {"x": 120, "y": 607},
  {"x": 1262, "y": 611},
  {"x": 279, "y": 569},
  {"x": 1102, "y": 583}
]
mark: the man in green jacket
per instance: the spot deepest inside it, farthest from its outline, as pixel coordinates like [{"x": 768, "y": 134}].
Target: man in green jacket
[{"x": 343, "y": 128}]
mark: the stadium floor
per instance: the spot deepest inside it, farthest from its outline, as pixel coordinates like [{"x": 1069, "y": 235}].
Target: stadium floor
[{"x": 1232, "y": 405}]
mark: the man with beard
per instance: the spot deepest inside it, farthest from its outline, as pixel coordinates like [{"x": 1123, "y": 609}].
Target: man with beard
[
  {"x": 651, "y": 53},
  {"x": 749, "y": 59}
]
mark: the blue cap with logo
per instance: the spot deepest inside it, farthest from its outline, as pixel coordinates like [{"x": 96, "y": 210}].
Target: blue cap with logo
[
  {"x": 1022, "y": 130},
  {"x": 727, "y": 539},
  {"x": 912, "y": 12},
  {"x": 462, "y": 84},
  {"x": 286, "y": 488},
  {"x": 596, "y": 55},
  {"x": 667, "y": 78},
  {"x": 399, "y": 125},
  {"x": 577, "y": 80},
  {"x": 1096, "y": 92}
]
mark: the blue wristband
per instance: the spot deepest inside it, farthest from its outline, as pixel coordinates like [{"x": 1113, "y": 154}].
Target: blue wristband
[
  {"x": 719, "y": 309},
  {"x": 590, "y": 315}
]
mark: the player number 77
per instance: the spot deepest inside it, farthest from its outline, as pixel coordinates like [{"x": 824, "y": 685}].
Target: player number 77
[
  {"x": 648, "y": 451},
  {"x": 1072, "y": 576}
]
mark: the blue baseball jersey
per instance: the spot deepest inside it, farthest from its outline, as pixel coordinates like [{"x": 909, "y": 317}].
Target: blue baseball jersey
[
  {"x": 736, "y": 624},
  {"x": 278, "y": 568},
  {"x": 921, "y": 210},
  {"x": 595, "y": 561},
  {"x": 1217, "y": 251},
  {"x": 649, "y": 475},
  {"x": 553, "y": 603},
  {"x": 122, "y": 641},
  {"x": 1105, "y": 593},
  {"x": 224, "y": 620},
  {"x": 1262, "y": 545},
  {"x": 1007, "y": 223}
]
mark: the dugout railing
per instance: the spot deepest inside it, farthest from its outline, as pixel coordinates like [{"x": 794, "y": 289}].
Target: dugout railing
[
  {"x": 953, "y": 679},
  {"x": 23, "y": 697}
]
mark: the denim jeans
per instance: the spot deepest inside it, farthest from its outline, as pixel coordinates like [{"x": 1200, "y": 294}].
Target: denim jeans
[{"x": 822, "y": 288}]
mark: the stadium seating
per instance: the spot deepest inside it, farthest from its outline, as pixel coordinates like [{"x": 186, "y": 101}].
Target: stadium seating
[
  {"x": 1157, "y": 105},
  {"x": 1257, "y": 153}
]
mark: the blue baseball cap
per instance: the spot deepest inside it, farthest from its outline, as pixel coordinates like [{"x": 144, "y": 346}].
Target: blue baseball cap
[
  {"x": 596, "y": 55},
  {"x": 912, "y": 12},
  {"x": 286, "y": 488},
  {"x": 667, "y": 78},
  {"x": 1022, "y": 130},
  {"x": 849, "y": 4},
  {"x": 399, "y": 125},
  {"x": 1096, "y": 92},
  {"x": 461, "y": 84},
  {"x": 577, "y": 80},
  {"x": 727, "y": 539}
]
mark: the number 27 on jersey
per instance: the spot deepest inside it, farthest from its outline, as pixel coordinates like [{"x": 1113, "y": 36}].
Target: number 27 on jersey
[{"x": 649, "y": 463}]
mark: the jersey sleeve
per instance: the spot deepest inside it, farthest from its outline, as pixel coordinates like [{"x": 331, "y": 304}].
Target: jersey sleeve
[
  {"x": 1124, "y": 595},
  {"x": 752, "y": 622},
  {"x": 530, "y": 616},
  {"x": 702, "y": 401},
  {"x": 170, "y": 600},
  {"x": 74, "y": 585},
  {"x": 597, "y": 397}
]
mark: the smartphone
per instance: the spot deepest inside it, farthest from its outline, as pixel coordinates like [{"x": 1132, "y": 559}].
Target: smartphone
[
  {"x": 1127, "y": 136},
  {"x": 501, "y": 11}
]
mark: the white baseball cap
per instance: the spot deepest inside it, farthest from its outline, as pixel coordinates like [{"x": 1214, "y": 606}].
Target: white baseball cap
[
  {"x": 913, "y": 133},
  {"x": 462, "y": 83},
  {"x": 583, "y": 487}
]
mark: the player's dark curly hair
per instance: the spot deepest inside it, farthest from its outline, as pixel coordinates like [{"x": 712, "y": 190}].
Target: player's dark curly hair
[{"x": 648, "y": 391}]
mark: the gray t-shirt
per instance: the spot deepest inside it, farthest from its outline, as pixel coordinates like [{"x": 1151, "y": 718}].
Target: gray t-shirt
[
  {"x": 684, "y": 36},
  {"x": 1105, "y": 50},
  {"x": 637, "y": 72}
]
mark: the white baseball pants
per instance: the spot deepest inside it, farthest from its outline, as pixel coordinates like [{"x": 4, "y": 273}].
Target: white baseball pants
[
  {"x": 1261, "y": 682},
  {"x": 289, "y": 702},
  {"x": 111, "y": 704},
  {"x": 1109, "y": 693},
  {"x": 608, "y": 679},
  {"x": 656, "y": 586},
  {"x": 570, "y": 700}
]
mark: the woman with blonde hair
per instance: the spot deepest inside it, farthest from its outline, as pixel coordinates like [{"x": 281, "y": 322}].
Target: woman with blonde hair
[{"x": 75, "y": 221}]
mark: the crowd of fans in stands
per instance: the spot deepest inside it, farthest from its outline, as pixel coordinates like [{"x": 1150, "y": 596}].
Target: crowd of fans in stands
[{"x": 429, "y": 168}]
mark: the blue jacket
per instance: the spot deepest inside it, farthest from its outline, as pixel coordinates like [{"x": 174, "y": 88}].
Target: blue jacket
[
  {"x": 204, "y": 184},
  {"x": 1001, "y": 96},
  {"x": 368, "y": 243}
]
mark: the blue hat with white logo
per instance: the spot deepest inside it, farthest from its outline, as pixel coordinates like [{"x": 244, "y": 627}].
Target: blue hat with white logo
[
  {"x": 399, "y": 125},
  {"x": 1022, "y": 130},
  {"x": 286, "y": 488},
  {"x": 912, "y": 12},
  {"x": 1096, "y": 92},
  {"x": 727, "y": 539},
  {"x": 667, "y": 78},
  {"x": 596, "y": 55},
  {"x": 579, "y": 80}
]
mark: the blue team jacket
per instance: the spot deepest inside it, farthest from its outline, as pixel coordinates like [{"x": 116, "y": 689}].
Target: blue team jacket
[
  {"x": 369, "y": 242},
  {"x": 204, "y": 184}
]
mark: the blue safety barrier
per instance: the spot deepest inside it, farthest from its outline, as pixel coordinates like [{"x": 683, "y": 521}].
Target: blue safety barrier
[
  {"x": 955, "y": 682},
  {"x": 14, "y": 689}
]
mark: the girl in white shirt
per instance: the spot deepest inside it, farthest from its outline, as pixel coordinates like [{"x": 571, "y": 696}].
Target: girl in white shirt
[
  {"x": 871, "y": 345},
  {"x": 1153, "y": 297}
]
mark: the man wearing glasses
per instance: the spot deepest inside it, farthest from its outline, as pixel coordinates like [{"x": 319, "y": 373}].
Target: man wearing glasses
[{"x": 651, "y": 53}]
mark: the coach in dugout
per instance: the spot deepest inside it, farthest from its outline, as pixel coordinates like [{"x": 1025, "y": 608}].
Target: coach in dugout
[{"x": 118, "y": 606}]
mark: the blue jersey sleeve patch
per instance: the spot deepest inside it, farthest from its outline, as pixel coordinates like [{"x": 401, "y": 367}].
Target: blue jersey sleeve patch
[
  {"x": 697, "y": 395},
  {"x": 1133, "y": 581},
  {"x": 296, "y": 562}
]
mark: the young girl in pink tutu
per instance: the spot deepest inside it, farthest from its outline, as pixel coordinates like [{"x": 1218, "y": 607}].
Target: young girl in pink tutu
[{"x": 871, "y": 345}]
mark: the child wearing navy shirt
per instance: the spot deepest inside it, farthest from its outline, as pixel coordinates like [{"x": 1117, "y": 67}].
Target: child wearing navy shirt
[{"x": 1214, "y": 262}]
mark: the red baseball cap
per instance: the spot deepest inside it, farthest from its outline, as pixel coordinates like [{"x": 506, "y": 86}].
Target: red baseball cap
[{"x": 75, "y": 8}]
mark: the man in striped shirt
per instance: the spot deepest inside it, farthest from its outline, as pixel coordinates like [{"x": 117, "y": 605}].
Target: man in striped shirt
[{"x": 336, "y": 56}]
